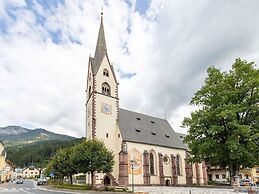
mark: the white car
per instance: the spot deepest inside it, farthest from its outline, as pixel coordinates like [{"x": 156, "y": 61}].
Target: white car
[{"x": 19, "y": 181}]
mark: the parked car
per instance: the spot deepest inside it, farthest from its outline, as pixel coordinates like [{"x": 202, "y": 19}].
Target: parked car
[
  {"x": 246, "y": 182},
  {"x": 19, "y": 181},
  {"x": 42, "y": 181}
]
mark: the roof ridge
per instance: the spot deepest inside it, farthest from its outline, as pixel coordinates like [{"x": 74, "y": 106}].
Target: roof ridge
[{"x": 142, "y": 114}]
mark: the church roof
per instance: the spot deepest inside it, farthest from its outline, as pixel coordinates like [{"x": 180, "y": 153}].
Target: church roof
[
  {"x": 100, "y": 50},
  {"x": 140, "y": 128}
]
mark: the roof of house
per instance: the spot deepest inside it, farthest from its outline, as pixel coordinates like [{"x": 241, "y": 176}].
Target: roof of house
[
  {"x": 181, "y": 135},
  {"x": 141, "y": 128},
  {"x": 30, "y": 168}
]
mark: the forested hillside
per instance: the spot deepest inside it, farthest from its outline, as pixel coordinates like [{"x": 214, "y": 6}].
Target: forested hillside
[
  {"x": 37, "y": 153},
  {"x": 16, "y": 135}
]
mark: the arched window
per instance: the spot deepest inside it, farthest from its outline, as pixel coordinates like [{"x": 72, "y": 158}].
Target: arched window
[
  {"x": 152, "y": 164},
  {"x": 178, "y": 165},
  {"x": 90, "y": 91},
  {"x": 106, "y": 89},
  {"x": 106, "y": 72}
]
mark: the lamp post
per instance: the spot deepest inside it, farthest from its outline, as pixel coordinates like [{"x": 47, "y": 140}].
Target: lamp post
[{"x": 132, "y": 162}]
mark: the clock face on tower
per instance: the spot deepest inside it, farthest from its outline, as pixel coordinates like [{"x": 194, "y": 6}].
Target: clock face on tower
[{"x": 106, "y": 108}]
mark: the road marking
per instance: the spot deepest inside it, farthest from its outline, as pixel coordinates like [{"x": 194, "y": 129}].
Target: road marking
[
  {"x": 56, "y": 191},
  {"x": 23, "y": 190},
  {"x": 6, "y": 190},
  {"x": 10, "y": 190}
]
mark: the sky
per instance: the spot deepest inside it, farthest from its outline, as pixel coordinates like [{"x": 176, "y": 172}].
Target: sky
[{"x": 160, "y": 51}]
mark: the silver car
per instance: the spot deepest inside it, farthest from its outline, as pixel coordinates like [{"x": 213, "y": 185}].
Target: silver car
[{"x": 19, "y": 181}]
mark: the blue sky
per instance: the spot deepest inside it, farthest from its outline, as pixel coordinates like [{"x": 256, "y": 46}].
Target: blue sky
[
  {"x": 142, "y": 6},
  {"x": 160, "y": 51}
]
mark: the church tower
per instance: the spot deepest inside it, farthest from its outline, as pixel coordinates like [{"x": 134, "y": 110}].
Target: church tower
[{"x": 102, "y": 103}]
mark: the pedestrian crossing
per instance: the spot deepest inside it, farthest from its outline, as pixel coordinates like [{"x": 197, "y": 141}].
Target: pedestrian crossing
[{"x": 16, "y": 190}]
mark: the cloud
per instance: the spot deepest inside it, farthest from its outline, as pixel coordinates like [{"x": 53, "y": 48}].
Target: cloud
[{"x": 160, "y": 50}]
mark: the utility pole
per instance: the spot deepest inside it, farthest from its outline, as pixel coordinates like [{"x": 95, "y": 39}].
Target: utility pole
[{"x": 132, "y": 173}]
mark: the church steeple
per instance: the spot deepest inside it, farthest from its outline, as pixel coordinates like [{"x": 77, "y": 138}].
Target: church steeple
[{"x": 100, "y": 50}]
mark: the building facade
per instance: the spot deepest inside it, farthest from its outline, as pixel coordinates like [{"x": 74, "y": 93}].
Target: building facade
[
  {"x": 145, "y": 147},
  {"x": 218, "y": 174},
  {"x": 30, "y": 172},
  {"x": 2, "y": 162}
]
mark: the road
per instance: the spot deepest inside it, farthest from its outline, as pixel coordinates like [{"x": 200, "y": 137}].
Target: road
[{"x": 29, "y": 187}]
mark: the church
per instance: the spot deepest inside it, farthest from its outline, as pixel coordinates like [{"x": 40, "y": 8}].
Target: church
[{"x": 147, "y": 150}]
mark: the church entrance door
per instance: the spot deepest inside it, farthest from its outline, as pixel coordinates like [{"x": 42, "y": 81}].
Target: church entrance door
[
  {"x": 107, "y": 181},
  {"x": 167, "y": 182}
]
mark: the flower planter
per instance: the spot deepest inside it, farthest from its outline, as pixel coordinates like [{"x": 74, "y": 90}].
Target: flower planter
[{"x": 251, "y": 191}]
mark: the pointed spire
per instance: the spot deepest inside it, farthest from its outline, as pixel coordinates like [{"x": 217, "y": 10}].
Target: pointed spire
[{"x": 100, "y": 50}]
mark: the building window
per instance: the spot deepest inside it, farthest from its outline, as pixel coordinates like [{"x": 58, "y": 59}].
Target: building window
[
  {"x": 119, "y": 135},
  {"x": 90, "y": 91},
  {"x": 31, "y": 172},
  {"x": 166, "y": 159},
  {"x": 124, "y": 146},
  {"x": 223, "y": 176},
  {"x": 178, "y": 165},
  {"x": 107, "y": 135},
  {"x": 25, "y": 172},
  {"x": 217, "y": 176},
  {"x": 257, "y": 170},
  {"x": 152, "y": 164},
  {"x": 106, "y": 89},
  {"x": 106, "y": 72}
]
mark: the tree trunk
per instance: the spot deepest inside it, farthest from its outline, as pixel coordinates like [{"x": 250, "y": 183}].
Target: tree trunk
[
  {"x": 233, "y": 171},
  {"x": 71, "y": 179},
  {"x": 92, "y": 180}
]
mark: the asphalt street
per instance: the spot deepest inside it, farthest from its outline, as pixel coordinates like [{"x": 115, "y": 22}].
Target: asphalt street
[{"x": 30, "y": 187}]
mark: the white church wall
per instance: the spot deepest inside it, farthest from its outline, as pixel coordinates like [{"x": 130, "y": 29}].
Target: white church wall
[
  {"x": 89, "y": 100},
  {"x": 100, "y": 78},
  {"x": 167, "y": 168}
]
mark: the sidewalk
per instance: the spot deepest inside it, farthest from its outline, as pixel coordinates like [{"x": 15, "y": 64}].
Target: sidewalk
[
  {"x": 49, "y": 188},
  {"x": 3, "y": 185}
]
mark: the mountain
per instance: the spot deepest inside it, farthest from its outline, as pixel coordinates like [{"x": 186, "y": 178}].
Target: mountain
[
  {"x": 16, "y": 135},
  {"x": 38, "y": 153}
]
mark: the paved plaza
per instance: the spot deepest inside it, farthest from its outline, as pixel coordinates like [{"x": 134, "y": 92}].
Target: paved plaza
[{"x": 186, "y": 190}]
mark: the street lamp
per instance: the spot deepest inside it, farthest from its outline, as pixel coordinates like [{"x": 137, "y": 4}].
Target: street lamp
[{"x": 132, "y": 162}]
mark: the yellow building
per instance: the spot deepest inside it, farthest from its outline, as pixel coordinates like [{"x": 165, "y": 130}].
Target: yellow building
[
  {"x": 250, "y": 173},
  {"x": 9, "y": 169},
  {"x": 2, "y": 162},
  {"x": 218, "y": 174},
  {"x": 145, "y": 147},
  {"x": 30, "y": 172}
]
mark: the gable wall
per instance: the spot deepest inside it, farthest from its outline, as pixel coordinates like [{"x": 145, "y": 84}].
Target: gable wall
[
  {"x": 89, "y": 107},
  {"x": 166, "y": 167}
]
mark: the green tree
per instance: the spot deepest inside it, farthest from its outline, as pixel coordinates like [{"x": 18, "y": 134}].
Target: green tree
[
  {"x": 224, "y": 130},
  {"x": 62, "y": 164},
  {"x": 92, "y": 156}
]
